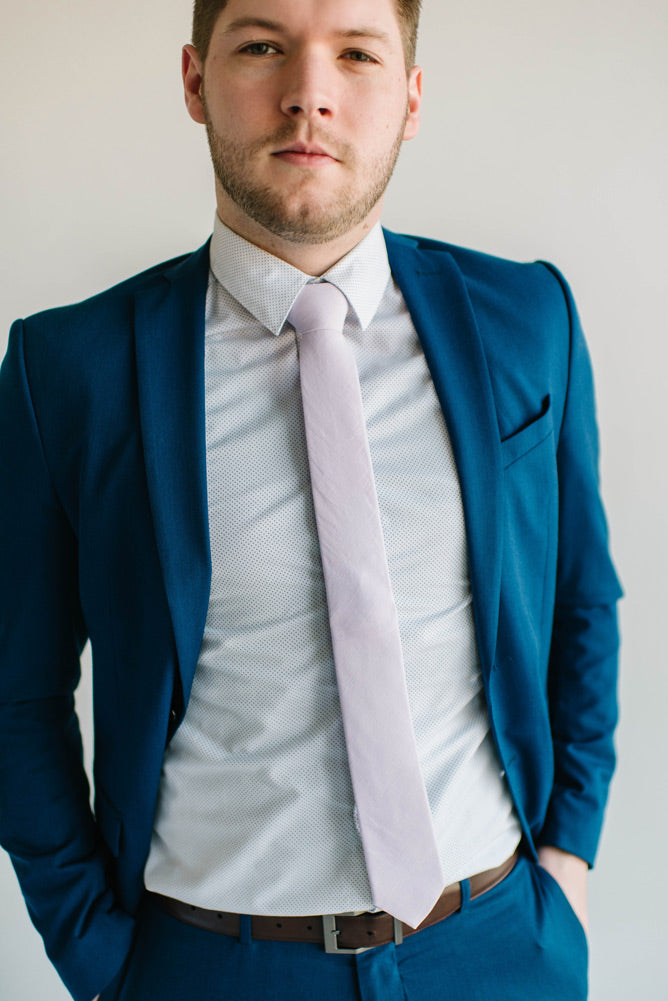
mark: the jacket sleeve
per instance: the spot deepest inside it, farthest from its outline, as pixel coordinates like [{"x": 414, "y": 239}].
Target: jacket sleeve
[
  {"x": 582, "y": 677},
  {"x": 46, "y": 824}
]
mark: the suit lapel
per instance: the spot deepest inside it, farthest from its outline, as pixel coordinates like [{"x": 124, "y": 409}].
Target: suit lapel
[
  {"x": 169, "y": 337},
  {"x": 438, "y": 301}
]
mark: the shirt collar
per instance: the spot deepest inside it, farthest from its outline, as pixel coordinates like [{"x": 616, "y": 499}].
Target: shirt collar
[{"x": 267, "y": 286}]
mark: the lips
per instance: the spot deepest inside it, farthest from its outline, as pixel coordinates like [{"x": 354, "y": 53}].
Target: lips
[
  {"x": 305, "y": 154},
  {"x": 309, "y": 149}
]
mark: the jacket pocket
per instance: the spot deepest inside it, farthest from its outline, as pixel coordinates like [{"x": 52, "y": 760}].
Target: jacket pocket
[{"x": 528, "y": 437}]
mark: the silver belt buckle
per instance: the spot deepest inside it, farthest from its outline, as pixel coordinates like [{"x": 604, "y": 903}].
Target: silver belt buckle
[{"x": 331, "y": 936}]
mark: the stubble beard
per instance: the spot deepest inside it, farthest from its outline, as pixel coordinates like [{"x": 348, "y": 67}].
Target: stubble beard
[{"x": 309, "y": 220}]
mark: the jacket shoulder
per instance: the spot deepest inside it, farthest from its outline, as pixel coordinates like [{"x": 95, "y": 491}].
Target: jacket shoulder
[
  {"x": 499, "y": 285},
  {"x": 116, "y": 301},
  {"x": 474, "y": 263}
]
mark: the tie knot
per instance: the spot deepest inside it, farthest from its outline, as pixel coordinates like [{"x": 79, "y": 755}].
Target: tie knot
[{"x": 319, "y": 306}]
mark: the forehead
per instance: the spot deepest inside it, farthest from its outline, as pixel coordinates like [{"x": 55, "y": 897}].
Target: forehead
[{"x": 352, "y": 17}]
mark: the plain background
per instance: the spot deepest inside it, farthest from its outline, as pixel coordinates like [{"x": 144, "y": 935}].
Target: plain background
[{"x": 544, "y": 135}]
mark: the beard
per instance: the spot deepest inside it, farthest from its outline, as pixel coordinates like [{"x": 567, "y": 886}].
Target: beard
[{"x": 309, "y": 219}]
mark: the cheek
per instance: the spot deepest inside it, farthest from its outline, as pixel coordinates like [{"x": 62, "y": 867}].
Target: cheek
[
  {"x": 378, "y": 116},
  {"x": 237, "y": 107},
  {"x": 366, "y": 115}
]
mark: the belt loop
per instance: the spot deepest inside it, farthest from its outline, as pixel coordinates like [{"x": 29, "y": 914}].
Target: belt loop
[
  {"x": 245, "y": 936},
  {"x": 465, "y": 888}
]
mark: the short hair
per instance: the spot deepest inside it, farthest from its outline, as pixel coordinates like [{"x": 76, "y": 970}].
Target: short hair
[{"x": 206, "y": 12}]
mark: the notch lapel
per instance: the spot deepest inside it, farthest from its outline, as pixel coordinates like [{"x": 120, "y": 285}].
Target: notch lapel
[
  {"x": 169, "y": 339},
  {"x": 438, "y": 301}
]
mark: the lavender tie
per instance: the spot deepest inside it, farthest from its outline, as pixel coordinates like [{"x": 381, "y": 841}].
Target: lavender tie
[{"x": 393, "y": 811}]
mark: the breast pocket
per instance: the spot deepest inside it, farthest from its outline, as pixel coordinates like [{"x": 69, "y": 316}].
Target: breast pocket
[{"x": 529, "y": 436}]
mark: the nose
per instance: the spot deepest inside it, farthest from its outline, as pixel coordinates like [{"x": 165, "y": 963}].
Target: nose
[{"x": 309, "y": 89}]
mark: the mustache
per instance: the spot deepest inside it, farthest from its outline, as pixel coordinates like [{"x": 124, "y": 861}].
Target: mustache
[{"x": 287, "y": 134}]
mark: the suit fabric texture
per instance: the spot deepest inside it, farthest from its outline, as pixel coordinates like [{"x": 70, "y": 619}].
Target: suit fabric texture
[{"x": 104, "y": 535}]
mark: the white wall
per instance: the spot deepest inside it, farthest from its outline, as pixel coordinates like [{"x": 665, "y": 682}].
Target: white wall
[{"x": 545, "y": 135}]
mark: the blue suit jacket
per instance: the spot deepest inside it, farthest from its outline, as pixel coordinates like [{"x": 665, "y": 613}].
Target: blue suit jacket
[{"x": 104, "y": 534}]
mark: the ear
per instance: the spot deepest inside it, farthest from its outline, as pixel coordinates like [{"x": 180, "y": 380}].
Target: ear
[
  {"x": 192, "y": 72},
  {"x": 414, "y": 103}
]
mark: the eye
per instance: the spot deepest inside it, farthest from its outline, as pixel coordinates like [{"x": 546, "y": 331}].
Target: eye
[
  {"x": 357, "y": 56},
  {"x": 259, "y": 49}
]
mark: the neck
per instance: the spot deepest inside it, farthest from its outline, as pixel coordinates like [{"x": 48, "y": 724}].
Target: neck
[{"x": 313, "y": 259}]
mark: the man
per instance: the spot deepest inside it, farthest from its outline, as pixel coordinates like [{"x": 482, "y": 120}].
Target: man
[{"x": 162, "y": 494}]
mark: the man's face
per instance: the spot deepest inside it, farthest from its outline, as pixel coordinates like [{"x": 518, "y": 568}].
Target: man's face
[{"x": 306, "y": 103}]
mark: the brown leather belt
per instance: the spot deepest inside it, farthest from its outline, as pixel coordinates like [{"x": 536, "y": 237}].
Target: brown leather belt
[{"x": 337, "y": 932}]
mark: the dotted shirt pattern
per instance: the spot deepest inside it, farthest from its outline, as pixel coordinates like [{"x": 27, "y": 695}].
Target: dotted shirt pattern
[{"x": 256, "y": 812}]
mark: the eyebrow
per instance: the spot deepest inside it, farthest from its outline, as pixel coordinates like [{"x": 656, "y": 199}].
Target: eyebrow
[
  {"x": 381, "y": 36},
  {"x": 252, "y": 22},
  {"x": 267, "y": 25}
]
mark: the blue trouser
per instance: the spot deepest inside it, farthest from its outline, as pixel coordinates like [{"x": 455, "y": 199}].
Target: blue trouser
[{"x": 519, "y": 940}]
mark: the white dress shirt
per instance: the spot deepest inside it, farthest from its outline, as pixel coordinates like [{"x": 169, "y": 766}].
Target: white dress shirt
[{"x": 256, "y": 812}]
